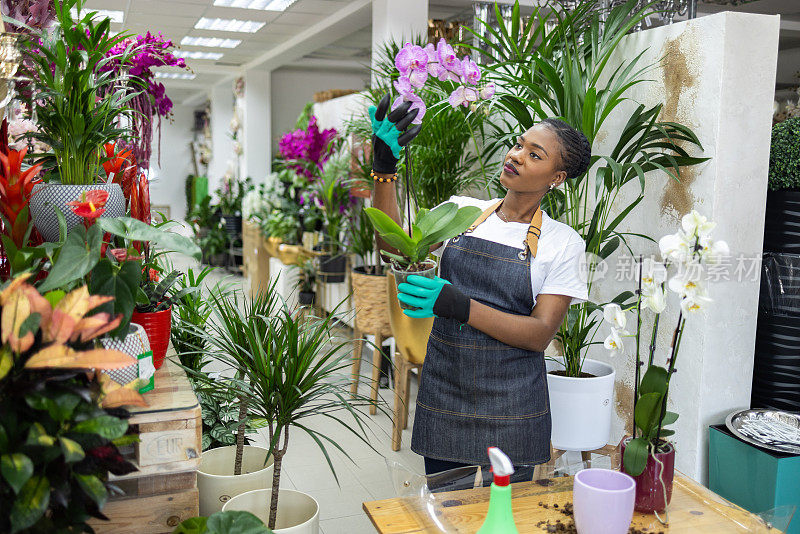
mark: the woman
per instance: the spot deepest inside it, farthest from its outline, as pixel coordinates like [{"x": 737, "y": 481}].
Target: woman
[{"x": 503, "y": 291}]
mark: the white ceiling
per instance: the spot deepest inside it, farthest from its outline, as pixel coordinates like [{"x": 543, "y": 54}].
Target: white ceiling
[{"x": 176, "y": 19}]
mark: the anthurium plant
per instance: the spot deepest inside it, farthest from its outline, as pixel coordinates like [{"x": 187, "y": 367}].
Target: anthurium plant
[
  {"x": 430, "y": 227},
  {"x": 57, "y": 443},
  {"x": 686, "y": 255}
]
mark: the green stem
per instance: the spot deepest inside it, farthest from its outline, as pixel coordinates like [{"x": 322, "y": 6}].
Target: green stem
[
  {"x": 477, "y": 150},
  {"x": 676, "y": 342},
  {"x": 638, "y": 336}
]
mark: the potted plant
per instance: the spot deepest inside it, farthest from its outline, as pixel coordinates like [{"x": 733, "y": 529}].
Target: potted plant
[
  {"x": 291, "y": 369},
  {"x": 429, "y": 228},
  {"x": 79, "y": 108},
  {"x": 332, "y": 192},
  {"x": 223, "y": 523},
  {"x": 231, "y": 194},
  {"x": 647, "y": 456},
  {"x": 57, "y": 444},
  {"x": 782, "y": 225},
  {"x": 306, "y": 282}
]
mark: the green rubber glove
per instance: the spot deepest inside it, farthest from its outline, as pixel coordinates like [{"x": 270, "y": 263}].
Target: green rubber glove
[
  {"x": 385, "y": 131},
  {"x": 435, "y": 297},
  {"x": 391, "y": 132}
]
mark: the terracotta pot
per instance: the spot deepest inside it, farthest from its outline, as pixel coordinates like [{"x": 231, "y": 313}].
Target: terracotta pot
[
  {"x": 157, "y": 325},
  {"x": 649, "y": 489}
]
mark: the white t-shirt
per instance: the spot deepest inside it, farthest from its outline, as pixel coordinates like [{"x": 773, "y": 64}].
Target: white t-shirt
[{"x": 556, "y": 268}]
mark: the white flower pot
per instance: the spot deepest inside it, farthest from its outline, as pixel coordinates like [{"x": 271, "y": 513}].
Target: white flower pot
[
  {"x": 298, "y": 512},
  {"x": 217, "y": 483},
  {"x": 581, "y": 407}
]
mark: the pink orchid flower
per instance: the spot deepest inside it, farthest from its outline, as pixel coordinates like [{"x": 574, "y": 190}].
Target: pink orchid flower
[
  {"x": 462, "y": 96},
  {"x": 472, "y": 74},
  {"x": 416, "y": 103},
  {"x": 412, "y": 61},
  {"x": 488, "y": 91},
  {"x": 447, "y": 57},
  {"x": 435, "y": 68},
  {"x": 403, "y": 85}
]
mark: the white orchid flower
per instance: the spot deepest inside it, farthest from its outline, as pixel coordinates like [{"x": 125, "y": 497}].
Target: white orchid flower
[
  {"x": 654, "y": 297},
  {"x": 713, "y": 252},
  {"x": 613, "y": 314},
  {"x": 675, "y": 247},
  {"x": 695, "y": 302},
  {"x": 695, "y": 224},
  {"x": 614, "y": 342},
  {"x": 688, "y": 282},
  {"x": 653, "y": 272}
]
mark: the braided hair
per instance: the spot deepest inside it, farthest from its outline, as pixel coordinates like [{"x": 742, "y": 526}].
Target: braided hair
[{"x": 576, "y": 152}]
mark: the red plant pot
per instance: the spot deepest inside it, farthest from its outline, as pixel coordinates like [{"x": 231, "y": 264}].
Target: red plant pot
[
  {"x": 649, "y": 491},
  {"x": 158, "y": 326}
]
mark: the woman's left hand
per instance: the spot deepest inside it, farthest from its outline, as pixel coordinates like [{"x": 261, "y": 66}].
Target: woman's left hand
[{"x": 434, "y": 297}]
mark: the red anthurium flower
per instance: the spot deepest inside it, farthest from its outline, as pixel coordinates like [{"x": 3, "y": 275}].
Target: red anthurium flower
[
  {"x": 90, "y": 206},
  {"x": 122, "y": 254},
  {"x": 116, "y": 161}
]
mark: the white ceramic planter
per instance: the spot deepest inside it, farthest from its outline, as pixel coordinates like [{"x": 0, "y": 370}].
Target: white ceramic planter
[
  {"x": 581, "y": 407},
  {"x": 217, "y": 483},
  {"x": 298, "y": 512}
]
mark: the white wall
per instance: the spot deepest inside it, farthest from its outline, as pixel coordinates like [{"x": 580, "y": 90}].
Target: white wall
[
  {"x": 720, "y": 82},
  {"x": 292, "y": 89},
  {"x": 176, "y": 162},
  {"x": 222, "y": 144}
]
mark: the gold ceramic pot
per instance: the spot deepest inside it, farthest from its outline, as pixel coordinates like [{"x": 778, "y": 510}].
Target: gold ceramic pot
[{"x": 410, "y": 334}]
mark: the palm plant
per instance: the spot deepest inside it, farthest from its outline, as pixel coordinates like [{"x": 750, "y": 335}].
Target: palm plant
[
  {"x": 558, "y": 64},
  {"x": 288, "y": 368},
  {"x": 79, "y": 107}
]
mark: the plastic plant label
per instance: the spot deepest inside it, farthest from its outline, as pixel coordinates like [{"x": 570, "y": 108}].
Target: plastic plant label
[{"x": 147, "y": 371}]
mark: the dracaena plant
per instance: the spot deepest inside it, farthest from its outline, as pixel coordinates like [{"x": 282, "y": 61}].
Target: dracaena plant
[
  {"x": 79, "y": 106},
  {"x": 57, "y": 443},
  {"x": 430, "y": 227},
  {"x": 558, "y": 63}
]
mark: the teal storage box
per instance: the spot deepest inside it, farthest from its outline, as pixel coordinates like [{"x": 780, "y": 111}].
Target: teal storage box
[{"x": 754, "y": 478}]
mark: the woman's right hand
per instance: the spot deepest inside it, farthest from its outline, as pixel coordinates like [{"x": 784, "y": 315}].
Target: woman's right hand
[{"x": 389, "y": 134}]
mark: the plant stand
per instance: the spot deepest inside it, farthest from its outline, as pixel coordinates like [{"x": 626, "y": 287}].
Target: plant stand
[
  {"x": 610, "y": 451},
  {"x": 402, "y": 390},
  {"x": 163, "y": 492}
]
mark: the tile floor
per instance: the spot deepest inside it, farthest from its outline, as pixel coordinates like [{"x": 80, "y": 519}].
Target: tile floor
[{"x": 363, "y": 477}]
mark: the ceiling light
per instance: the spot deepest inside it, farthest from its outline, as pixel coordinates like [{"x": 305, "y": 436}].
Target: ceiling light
[
  {"x": 229, "y": 25},
  {"x": 267, "y": 5},
  {"x": 176, "y": 75},
  {"x": 194, "y": 54},
  {"x": 115, "y": 16},
  {"x": 213, "y": 42}
]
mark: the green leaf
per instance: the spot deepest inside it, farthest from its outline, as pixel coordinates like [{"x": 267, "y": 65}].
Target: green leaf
[
  {"x": 669, "y": 418},
  {"x": 647, "y": 411},
  {"x": 136, "y": 230},
  {"x": 106, "y": 426},
  {"x": 94, "y": 488},
  {"x": 6, "y": 361},
  {"x": 37, "y": 435},
  {"x": 55, "y": 296},
  {"x": 31, "y": 503},
  {"x": 654, "y": 380},
  {"x": 665, "y": 432},
  {"x": 16, "y": 469},
  {"x": 72, "y": 450},
  {"x": 76, "y": 259},
  {"x": 193, "y": 525},
  {"x": 235, "y": 522},
  {"x": 635, "y": 457}
]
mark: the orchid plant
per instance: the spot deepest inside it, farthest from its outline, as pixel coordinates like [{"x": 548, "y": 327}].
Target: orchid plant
[{"x": 686, "y": 255}]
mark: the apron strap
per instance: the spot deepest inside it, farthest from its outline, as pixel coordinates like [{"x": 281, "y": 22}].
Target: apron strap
[{"x": 534, "y": 230}]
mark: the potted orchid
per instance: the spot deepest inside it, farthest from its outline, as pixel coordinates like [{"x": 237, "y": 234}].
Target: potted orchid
[{"x": 686, "y": 256}]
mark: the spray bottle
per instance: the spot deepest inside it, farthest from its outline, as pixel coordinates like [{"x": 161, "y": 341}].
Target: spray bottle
[{"x": 500, "y": 518}]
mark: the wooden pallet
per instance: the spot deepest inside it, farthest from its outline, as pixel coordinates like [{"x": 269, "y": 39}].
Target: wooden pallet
[{"x": 163, "y": 492}]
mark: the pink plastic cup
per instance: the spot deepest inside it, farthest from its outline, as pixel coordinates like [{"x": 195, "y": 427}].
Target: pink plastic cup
[{"x": 603, "y": 501}]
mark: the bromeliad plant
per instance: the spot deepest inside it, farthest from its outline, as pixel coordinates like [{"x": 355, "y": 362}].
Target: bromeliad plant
[
  {"x": 429, "y": 228},
  {"x": 687, "y": 254},
  {"x": 559, "y": 64}
]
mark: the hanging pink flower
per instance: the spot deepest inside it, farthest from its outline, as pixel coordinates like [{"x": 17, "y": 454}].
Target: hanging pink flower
[
  {"x": 309, "y": 146},
  {"x": 462, "y": 96},
  {"x": 472, "y": 74},
  {"x": 412, "y": 61},
  {"x": 416, "y": 103},
  {"x": 488, "y": 91},
  {"x": 447, "y": 57},
  {"x": 403, "y": 85},
  {"x": 435, "y": 68}
]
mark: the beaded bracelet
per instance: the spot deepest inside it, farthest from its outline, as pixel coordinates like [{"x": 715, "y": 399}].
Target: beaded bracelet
[{"x": 381, "y": 179}]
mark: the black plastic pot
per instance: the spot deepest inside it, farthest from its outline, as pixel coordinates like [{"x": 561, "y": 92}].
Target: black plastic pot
[
  {"x": 332, "y": 269},
  {"x": 782, "y": 222},
  {"x": 306, "y": 298},
  {"x": 233, "y": 227}
]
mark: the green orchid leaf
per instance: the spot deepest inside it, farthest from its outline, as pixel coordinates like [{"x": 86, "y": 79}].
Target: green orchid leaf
[
  {"x": 16, "y": 469},
  {"x": 462, "y": 220},
  {"x": 647, "y": 411},
  {"x": 669, "y": 418},
  {"x": 431, "y": 221},
  {"x": 654, "y": 380},
  {"x": 635, "y": 457},
  {"x": 31, "y": 503}
]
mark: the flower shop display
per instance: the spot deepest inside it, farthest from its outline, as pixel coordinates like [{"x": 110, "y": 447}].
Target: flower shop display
[
  {"x": 75, "y": 101},
  {"x": 782, "y": 225},
  {"x": 57, "y": 444},
  {"x": 331, "y": 189},
  {"x": 429, "y": 227},
  {"x": 537, "y": 69},
  {"x": 290, "y": 369},
  {"x": 687, "y": 256}
]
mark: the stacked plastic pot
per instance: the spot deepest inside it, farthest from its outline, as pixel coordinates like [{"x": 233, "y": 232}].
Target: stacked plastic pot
[{"x": 776, "y": 372}]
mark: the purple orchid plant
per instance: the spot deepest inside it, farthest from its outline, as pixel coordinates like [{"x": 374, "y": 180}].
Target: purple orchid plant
[
  {"x": 416, "y": 65},
  {"x": 310, "y": 148}
]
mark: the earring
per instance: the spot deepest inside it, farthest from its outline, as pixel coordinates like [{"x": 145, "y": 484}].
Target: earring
[{"x": 552, "y": 186}]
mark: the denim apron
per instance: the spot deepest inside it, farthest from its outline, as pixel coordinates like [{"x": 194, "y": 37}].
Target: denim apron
[{"x": 475, "y": 391}]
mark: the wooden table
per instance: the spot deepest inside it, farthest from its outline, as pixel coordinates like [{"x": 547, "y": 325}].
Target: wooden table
[{"x": 693, "y": 509}]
